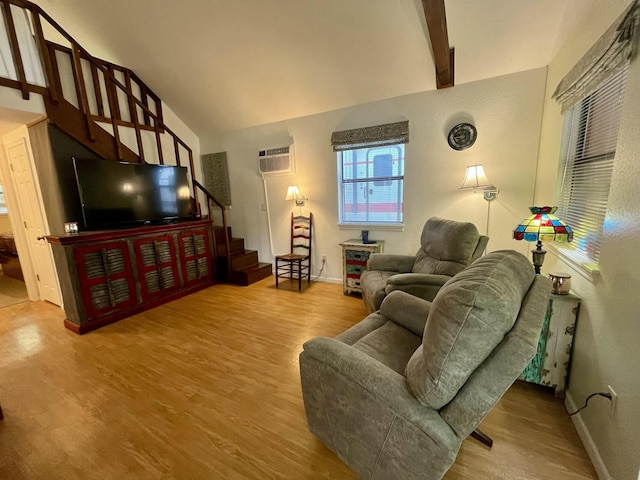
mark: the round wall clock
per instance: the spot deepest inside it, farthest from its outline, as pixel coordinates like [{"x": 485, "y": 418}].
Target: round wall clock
[{"x": 462, "y": 136}]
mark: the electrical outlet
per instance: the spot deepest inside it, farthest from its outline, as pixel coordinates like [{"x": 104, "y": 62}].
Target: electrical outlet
[
  {"x": 614, "y": 400},
  {"x": 324, "y": 257}
]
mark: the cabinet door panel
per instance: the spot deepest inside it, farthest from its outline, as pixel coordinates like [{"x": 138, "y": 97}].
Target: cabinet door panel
[
  {"x": 105, "y": 277},
  {"x": 203, "y": 267},
  {"x": 94, "y": 265},
  {"x": 99, "y": 296},
  {"x": 196, "y": 256},
  {"x": 157, "y": 265}
]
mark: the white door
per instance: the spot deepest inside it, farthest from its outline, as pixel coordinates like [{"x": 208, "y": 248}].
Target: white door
[{"x": 33, "y": 220}]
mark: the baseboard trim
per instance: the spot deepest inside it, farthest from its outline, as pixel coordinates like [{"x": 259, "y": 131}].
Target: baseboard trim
[
  {"x": 327, "y": 279},
  {"x": 587, "y": 440}
]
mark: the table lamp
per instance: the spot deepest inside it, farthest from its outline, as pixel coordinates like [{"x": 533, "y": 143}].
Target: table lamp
[{"x": 542, "y": 225}]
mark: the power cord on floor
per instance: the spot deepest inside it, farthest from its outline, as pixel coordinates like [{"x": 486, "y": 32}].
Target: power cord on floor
[{"x": 602, "y": 394}]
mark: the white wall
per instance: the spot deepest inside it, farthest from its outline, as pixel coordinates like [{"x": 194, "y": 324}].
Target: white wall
[
  {"x": 506, "y": 110},
  {"x": 607, "y": 338},
  {"x": 11, "y": 98}
]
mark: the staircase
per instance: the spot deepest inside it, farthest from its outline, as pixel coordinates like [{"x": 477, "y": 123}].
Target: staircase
[
  {"x": 109, "y": 110},
  {"x": 239, "y": 266}
]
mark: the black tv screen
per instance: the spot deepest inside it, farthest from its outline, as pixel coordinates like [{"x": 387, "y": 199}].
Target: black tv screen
[{"x": 117, "y": 194}]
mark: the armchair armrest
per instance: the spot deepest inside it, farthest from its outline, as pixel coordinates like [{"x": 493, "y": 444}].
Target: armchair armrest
[
  {"x": 406, "y": 310},
  {"x": 423, "y": 285},
  {"x": 381, "y": 383},
  {"x": 391, "y": 262}
]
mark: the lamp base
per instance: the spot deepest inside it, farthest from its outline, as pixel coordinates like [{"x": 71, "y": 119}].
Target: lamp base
[{"x": 538, "y": 257}]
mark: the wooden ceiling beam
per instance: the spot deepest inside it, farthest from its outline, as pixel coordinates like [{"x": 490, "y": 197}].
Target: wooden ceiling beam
[{"x": 443, "y": 55}]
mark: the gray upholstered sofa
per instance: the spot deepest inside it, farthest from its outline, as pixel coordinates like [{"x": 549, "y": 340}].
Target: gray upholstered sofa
[
  {"x": 395, "y": 395},
  {"x": 446, "y": 248}
]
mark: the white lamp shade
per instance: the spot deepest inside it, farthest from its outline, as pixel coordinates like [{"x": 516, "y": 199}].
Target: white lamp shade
[
  {"x": 293, "y": 193},
  {"x": 475, "y": 177}
]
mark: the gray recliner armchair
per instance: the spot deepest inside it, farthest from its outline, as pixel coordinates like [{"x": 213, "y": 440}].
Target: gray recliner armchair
[
  {"x": 446, "y": 248},
  {"x": 396, "y": 394}
]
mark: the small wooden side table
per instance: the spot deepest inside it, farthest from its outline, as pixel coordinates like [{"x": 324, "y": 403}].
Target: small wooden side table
[
  {"x": 550, "y": 366},
  {"x": 355, "y": 254}
]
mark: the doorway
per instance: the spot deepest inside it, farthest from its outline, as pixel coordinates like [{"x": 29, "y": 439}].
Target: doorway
[
  {"x": 27, "y": 220},
  {"x": 12, "y": 287}
]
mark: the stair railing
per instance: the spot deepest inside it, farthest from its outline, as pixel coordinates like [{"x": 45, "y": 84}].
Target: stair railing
[
  {"x": 211, "y": 199},
  {"x": 54, "y": 91}
]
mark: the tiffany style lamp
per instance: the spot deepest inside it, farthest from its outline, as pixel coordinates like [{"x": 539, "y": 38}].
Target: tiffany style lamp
[{"x": 542, "y": 225}]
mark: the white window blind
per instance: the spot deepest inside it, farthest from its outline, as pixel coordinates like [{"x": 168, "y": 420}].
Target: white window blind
[{"x": 589, "y": 139}]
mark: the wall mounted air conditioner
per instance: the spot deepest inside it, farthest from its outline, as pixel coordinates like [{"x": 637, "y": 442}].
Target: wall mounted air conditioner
[{"x": 276, "y": 161}]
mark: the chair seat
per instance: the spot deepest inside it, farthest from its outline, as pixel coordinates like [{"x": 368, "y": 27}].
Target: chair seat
[
  {"x": 292, "y": 256},
  {"x": 391, "y": 344}
]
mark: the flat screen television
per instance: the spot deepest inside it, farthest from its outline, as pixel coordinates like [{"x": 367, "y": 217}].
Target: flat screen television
[{"x": 118, "y": 194}]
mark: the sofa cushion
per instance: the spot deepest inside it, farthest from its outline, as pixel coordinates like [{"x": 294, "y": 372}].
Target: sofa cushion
[
  {"x": 362, "y": 328},
  {"x": 373, "y": 283},
  {"x": 464, "y": 325},
  {"x": 447, "y": 247},
  {"x": 391, "y": 344}
]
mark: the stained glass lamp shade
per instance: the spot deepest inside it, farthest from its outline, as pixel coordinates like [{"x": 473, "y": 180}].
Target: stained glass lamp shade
[{"x": 542, "y": 225}]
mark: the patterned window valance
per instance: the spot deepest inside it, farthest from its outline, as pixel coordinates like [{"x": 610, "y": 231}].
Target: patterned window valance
[
  {"x": 376, "y": 136},
  {"x": 610, "y": 52}
]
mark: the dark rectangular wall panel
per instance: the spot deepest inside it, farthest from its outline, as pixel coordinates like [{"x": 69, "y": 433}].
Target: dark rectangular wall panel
[{"x": 216, "y": 176}]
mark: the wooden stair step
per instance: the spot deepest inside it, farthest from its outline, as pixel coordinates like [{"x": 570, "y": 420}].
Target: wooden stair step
[
  {"x": 218, "y": 233},
  {"x": 235, "y": 245},
  {"x": 250, "y": 275},
  {"x": 244, "y": 259},
  {"x": 239, "y": 261}
]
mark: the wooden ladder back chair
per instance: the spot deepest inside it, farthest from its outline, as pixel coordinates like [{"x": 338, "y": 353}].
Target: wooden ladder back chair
[{"x": 297, "y": 263}]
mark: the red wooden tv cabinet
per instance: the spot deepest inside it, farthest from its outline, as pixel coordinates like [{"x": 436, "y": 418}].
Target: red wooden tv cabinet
[{"x": 112, "y": 274}]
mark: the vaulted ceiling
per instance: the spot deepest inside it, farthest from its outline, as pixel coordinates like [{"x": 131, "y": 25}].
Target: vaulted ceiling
[{"x": 224, "y": 65}]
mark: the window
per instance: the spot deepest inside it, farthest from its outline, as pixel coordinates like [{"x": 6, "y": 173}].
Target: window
[
  {"x": 588, "y": 151},
  {"x": 371, "y": 184},
  {"x": 371, "y": 173},
  {"x": 3, "y": 205}
]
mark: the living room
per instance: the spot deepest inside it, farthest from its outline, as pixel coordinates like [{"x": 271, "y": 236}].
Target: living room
[{"x": 519, "y": 128}]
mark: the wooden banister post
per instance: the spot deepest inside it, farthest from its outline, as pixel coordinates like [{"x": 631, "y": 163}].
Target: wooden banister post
[
  {"x": 50, "y": 74},
  {"x": 81, "y": 89},
  {"x": 15, "y": 49},
  {"x": 97, "y": 89},
  {"x": 158, "y": 141},
  {"x": 133, "y": 114}
]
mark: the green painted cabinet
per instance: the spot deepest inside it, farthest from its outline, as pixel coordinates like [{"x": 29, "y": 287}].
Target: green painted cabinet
[
  {"x": 550, "y": 366},
  {"x": 355, "y": 254}
]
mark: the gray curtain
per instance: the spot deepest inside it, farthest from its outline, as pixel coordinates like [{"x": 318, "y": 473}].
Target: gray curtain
[
  {"x": 375, "y": 136},
  {"x": 612, "y": 50}
]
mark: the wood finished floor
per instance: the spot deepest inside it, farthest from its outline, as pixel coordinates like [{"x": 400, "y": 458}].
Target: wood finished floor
[
  {"x": 207, "y": 387},
  {"x": 12, "y": 290}
]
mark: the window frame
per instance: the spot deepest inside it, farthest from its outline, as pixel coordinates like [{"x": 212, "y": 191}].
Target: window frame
[{"x": 386, "y": 181}]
